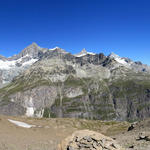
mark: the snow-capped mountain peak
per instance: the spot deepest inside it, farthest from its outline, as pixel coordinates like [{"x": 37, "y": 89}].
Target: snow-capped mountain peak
[
  {"x": 32, "y": 50},
  {"x": 23, "y": 61},
  {"x": 118, "y": 58},
  {"x": 12, "y": 66},
  {"x": 52, "y": 49},
  {"x": 83, "y": 53}
]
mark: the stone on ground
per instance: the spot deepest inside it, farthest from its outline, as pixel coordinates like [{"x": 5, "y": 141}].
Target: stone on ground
[{"x": 88, "y": 140}]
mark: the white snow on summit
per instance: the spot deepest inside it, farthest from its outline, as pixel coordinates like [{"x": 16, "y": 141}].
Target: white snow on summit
[
  {"x": 121, "y": 60},
  {"x": 84, "y": 53},
  {"x": 118, "y": 59},
  {"x": 59, "y": 49},
  {"x": 80, "y": 55},
  {"x": 91, "y": 53},
  {"x": 7, "y": 64},
  {"x": 52, "y": 49}
]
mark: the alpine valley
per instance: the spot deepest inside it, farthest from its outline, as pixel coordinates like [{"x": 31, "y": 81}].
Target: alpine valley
[{"x": 41, "y": 82}]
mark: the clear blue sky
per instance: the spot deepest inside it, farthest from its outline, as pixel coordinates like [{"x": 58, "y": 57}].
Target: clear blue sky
[{"x": 120, "y": 26}]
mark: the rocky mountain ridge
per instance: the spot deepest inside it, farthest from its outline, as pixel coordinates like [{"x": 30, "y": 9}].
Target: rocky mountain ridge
[
  {"x": 13, "y": 66},
  {"x": 54, "y": 83}
]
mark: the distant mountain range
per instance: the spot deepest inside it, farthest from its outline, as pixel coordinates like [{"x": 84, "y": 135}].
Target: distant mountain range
[{"x": 41, "y": 82}]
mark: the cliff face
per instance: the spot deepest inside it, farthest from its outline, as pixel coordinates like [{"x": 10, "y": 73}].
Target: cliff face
[
  {"x": 91, "y": 86},
  {"x": 119, "y": 100}
]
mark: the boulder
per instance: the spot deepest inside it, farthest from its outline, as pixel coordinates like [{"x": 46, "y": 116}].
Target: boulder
[
  {"x": 88, "y": 140},
  {"x": 132, "y": 126},
  {"x": 143, "y": 136}
]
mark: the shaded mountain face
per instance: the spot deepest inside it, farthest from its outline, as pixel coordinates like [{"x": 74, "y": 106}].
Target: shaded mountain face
[{"x": 40, "y": 82}]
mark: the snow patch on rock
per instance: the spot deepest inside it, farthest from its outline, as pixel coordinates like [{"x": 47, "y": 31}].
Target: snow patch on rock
[
  {"x": 29, "y": 107},
  {"x": 119, "y": 59},
  {"x": 21, "y": 124},
  {"x": 29, "y": 111},
  {"x": 30, "y": 62},
  {"x": 9, "y": 64}
]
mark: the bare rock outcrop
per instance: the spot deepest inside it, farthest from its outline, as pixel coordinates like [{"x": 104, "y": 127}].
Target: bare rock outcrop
[{"x": 88, "y": 140}]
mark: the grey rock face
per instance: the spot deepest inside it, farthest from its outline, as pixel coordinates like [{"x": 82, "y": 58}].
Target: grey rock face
[
  {"x": 55, "y": 83},
  {"x": 32, "y": 50},
  {"x": 12, "y": 109},
  {"x": 35, "y": 100}
]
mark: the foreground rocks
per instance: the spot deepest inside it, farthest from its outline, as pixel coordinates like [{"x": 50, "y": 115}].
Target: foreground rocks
[
  {"x": 88, "y": 140},
  {"x": 143, "y": 136},
  {"x": 132, "y": 126}
]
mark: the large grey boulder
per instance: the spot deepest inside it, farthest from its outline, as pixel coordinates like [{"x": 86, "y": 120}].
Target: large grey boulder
[{"x": 88, "y": 140}]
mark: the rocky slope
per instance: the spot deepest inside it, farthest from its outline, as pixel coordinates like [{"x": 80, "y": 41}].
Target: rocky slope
[{"x": 55, "y": 83}]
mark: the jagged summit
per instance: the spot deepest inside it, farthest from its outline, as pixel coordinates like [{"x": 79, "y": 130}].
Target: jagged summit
[
  {"x": 34, "y": 44},
  {"x": 113, "y": 55},
  {"x": 35, "y": 52},
  {"x": 31, "y": 50},
  {"x": 13, "y": 66},
  {"x": 117, "y": 58},
  {"x": 83, "y": 53}
]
